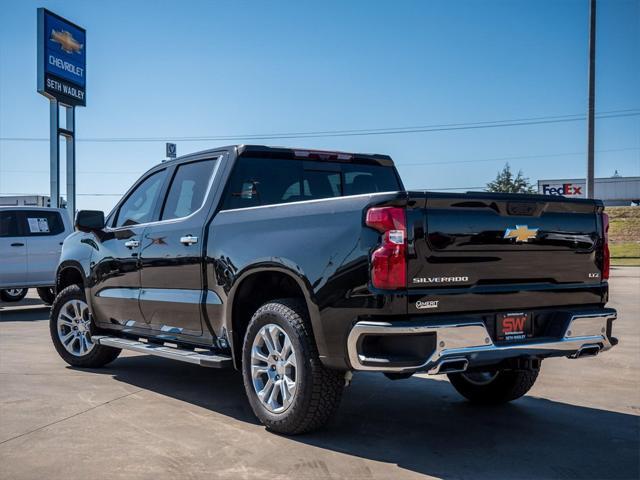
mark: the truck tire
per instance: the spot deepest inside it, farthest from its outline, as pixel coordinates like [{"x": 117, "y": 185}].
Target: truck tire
[
  {"x": 69, "y": 326},
  {"x": 289, "y": 389},
  {"x": 13, "y": 294},
  {"x": 495, "y": 387},
  {"x": 47, "y": 294}
]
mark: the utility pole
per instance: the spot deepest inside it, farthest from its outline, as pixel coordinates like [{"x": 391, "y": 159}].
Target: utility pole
[{"x": 592, "y": 99}]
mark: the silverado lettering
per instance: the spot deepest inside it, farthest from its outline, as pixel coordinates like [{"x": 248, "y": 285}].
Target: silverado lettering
[{"x": 441, "y": 280}]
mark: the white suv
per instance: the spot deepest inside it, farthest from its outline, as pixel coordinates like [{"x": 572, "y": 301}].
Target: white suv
[{"x": 30, "y": 244}]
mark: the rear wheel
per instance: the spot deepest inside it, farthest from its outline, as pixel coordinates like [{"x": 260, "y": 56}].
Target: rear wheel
[
  {"x": 69, "y": 326},
  {"x": 289, "y": 389},
  {"x": 493, "y": 387},
  {"x": 47, "y": 294},
  {"x": 13, "y": 294}
]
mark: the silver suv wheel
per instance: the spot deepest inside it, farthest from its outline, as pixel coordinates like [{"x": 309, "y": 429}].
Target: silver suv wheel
[
  {"x": 273, "y": 368},
  {"x": 14, "y": 292},
  {"x": 73, "y": 328}
]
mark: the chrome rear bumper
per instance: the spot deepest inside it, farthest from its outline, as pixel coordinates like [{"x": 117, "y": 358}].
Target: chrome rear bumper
[{"x": 460, "y": 345}]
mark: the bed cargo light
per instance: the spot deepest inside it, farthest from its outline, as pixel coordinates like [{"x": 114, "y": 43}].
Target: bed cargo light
[{"x": 322, "y": 155}]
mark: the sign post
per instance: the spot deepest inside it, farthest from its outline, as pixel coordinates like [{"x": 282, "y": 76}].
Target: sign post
[
  {"x": 54, "y": 154},
  {"x": 62, "y": 79}
]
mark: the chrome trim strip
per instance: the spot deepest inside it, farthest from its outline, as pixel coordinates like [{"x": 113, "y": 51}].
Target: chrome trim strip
[
  {"x": 212, "y": 298},
  {"x": 175, "y": 295},
  {"x": 121, "y": 293},
  {"x": 469, "y": 340},
  {"x": 178, "y": 295},
  {"x": 301, "y": 202}
]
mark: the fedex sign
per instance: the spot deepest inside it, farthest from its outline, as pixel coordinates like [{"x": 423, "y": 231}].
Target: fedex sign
[{"x": 569, "y": 189}]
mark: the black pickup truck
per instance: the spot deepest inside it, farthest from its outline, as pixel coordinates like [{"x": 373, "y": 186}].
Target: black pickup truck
[{"x": 298, "y": 267}]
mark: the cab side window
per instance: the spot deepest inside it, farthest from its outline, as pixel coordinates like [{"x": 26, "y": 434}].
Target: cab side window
[
  {"x": 41, "y": 223},
  {"x": 8, "y": 224},
  {"x": 258, "y": 181},
  {"x": 141, "y": 203},
  {"x": 188, "y": 189}
]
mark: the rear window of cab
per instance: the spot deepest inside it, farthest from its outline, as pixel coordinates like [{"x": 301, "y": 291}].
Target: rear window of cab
[{"x": 268, "y": 181}]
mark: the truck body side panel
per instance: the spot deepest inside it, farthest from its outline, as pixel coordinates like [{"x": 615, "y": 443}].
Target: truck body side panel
[{"x": 322, "y": 244}]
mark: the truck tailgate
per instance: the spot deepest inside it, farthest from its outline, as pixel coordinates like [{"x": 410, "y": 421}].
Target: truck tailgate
[{"x": 482, "y": 251}]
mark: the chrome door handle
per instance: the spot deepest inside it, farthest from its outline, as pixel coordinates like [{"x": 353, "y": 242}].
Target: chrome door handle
[
  {"x": 132, "y": 243},
  {"x": 188, "y": 240}
]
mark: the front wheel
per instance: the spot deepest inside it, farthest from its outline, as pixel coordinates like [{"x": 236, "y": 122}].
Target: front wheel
[
  {"x": 493, "y": 387},
  {"x": 13, "y": 294},
  {"x": 289, "y": 389},
  {"x": 69, "y": 327}
]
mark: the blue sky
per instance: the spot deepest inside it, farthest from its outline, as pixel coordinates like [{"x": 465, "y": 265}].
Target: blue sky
[{"x": 208, "y": 68}]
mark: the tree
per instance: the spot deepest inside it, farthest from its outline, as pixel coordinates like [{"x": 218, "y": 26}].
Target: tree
[{"x": 505, "y": 182}]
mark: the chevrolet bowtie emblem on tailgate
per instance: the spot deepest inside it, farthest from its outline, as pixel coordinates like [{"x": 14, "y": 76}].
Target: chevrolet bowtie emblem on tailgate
[
  {"x": 67, "y": 43},
  {"x": 522, "y": 233}
]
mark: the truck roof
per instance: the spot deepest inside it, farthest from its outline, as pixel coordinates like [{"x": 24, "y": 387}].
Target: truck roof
[{"x": 294, "y": 153}]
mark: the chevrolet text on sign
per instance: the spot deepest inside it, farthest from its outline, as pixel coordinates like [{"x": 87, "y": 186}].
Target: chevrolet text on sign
[{"x": 61, "y": 59}]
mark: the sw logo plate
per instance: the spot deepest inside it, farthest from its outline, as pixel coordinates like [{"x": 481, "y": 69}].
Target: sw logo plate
[{"x": 513, "y": 326}]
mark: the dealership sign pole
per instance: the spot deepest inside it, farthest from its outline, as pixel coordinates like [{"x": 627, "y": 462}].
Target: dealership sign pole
[{"x": 62, "y": 71}]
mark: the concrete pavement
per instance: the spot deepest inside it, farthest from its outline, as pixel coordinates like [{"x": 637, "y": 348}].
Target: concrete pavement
[{"x": 144, "y": 417}]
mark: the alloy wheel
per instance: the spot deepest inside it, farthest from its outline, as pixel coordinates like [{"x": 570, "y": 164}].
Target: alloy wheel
[
  {"x": 14, "y": 292},
  {"x": 273, "y": 368},
  {"x": 73, "y": 328}
]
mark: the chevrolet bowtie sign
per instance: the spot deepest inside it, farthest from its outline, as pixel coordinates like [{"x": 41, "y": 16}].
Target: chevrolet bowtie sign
[{"x": 61, "y": 59}]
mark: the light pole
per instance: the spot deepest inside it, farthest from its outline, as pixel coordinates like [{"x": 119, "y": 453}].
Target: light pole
[{"x": 592, "y": 99}]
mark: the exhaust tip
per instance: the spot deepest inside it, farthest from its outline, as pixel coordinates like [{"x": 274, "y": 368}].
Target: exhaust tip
[
  {"x": 452, "y": 365},
  {"x": 587, "y": 351}
]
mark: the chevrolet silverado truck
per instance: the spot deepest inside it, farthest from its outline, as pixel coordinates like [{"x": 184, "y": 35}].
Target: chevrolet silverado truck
[{"x": 299, "y": 267}]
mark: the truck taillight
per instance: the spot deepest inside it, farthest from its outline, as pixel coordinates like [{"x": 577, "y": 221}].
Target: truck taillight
[
  {"x": 606, "y": 255},
  {"x": 388, "y": 261}
]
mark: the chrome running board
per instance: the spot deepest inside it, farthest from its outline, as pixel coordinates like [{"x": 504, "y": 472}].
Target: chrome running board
[{"x": 204, "y": 359}]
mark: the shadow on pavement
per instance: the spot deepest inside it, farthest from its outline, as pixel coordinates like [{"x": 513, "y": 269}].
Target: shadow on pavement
[
  {"x": 32, "y": 314},
  {"x": 422, "y": 425},
  {"x": 27, "y": 301}
]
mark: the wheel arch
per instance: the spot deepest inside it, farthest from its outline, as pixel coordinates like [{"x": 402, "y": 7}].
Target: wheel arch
[
  {"x": 275, "y": 281},
  {"x": 70, "y": 272}
]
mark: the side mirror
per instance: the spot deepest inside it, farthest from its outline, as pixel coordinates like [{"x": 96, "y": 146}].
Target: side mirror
[{"x": 88, "y": 220}]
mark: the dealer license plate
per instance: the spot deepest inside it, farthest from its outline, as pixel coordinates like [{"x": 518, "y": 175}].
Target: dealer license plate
[{"x": 513, "y": 326}]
